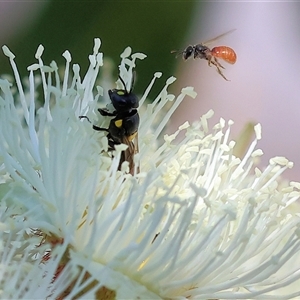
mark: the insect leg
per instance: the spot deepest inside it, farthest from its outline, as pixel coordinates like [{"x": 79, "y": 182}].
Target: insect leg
[
  {"x": 218, "y": 66},
  {"x": 97, "y": 128},
  {"x": 105, "y": 112},
  {"x": 215, "y": 62},
  {"x": 85, "y": 117}
]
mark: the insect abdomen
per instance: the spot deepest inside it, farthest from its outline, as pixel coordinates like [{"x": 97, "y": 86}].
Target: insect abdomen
[{"x": 224, "y": 52}]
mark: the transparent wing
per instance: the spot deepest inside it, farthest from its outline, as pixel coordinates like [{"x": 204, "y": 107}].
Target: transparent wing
[
  {"x": 128, "y": 154},
  {"x": 218, "y": 37}
]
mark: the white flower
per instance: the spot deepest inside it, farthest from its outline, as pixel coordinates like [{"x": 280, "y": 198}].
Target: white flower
[{"x": 196, "y": 222}]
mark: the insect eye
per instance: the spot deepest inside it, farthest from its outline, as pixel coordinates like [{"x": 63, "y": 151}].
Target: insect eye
[
  {"x": 188, "y": 52},
  {"x": 189, "y": 49}
]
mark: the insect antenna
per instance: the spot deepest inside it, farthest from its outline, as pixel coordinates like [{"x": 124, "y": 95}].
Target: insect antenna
[
  {"x": 131, "y": 84},
  {"x": 121, "y": 79},
  {"x": 133, "y": 78}
]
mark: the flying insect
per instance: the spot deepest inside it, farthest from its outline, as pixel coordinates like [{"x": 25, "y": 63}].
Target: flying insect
[
  {"x": 123, "y": 127},
  {"x": 211, "y": 55}
]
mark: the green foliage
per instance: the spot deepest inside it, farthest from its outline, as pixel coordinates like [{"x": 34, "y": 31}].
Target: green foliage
[{"x": 153, "y": 27}]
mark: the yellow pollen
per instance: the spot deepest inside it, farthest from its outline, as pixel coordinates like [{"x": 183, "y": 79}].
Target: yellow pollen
[{"x": 119, "y": 123}]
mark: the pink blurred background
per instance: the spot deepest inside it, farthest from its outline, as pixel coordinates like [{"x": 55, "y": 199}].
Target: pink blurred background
[
  {"x": 265, "y": 81},
  {"x": 16, "y": 15}
]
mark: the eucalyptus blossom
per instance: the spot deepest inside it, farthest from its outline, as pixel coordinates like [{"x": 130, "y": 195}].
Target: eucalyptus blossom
[{"x": 196, "y": 222}]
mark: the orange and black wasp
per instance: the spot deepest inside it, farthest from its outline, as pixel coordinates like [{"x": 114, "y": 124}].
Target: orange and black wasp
[
  {"x": 211, "y": 55},
  {"x": 123, "y": 127}
]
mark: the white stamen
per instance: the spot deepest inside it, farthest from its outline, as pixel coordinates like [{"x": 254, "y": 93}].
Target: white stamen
[{"x": 196, "y": 222}]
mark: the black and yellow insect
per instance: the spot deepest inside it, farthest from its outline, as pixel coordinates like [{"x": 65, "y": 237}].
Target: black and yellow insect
[{"x": 123, "y": 128}]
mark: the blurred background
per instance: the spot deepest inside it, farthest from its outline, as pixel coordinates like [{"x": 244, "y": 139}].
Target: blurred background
[{"x": 264, "y": 83}]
